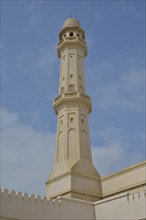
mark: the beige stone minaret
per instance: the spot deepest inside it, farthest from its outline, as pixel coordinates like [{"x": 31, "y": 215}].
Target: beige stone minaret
[{"x": 73, "y": 174}]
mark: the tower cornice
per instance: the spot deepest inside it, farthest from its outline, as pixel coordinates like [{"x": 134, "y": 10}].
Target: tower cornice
[
  {"x": 76, "y": 41},
  {"x": 70, "y": 97}
]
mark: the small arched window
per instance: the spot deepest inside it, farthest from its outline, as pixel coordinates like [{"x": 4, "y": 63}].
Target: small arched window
[
  {"x": 71, "y": 34},
  {"x": 71, "y": 119},
  {"x": 71, "y": 88},
  {"x": 82, "y": 121}
]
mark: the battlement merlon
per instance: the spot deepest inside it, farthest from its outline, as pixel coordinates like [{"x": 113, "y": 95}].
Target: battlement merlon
[{"x": 19, "y": 196}]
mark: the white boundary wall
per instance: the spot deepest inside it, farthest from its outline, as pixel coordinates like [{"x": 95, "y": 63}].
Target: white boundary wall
[
  {"x": 129, "y": 206},
  {"x": 125, "y": 180},
  {"x": 17, "y": 206}
]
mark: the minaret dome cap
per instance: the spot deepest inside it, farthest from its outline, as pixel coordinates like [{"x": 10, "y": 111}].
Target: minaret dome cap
[{"x": 71, "y": 22}]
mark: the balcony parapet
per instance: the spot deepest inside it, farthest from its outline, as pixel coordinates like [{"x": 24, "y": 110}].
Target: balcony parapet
[{"x": 70, "y": 97}]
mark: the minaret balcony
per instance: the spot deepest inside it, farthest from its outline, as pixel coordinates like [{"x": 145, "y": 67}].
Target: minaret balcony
[
  {"x": 72, "y": 97},
  {"x": 71, "y": 41}
]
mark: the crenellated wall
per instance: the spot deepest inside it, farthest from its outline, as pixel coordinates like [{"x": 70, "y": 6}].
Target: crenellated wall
[
  {"x": 17, "y": 206},
  {"x": 23, "y": 206}
]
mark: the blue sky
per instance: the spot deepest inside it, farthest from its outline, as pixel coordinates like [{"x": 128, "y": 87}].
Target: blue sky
[{"x": 114, "y": 73}]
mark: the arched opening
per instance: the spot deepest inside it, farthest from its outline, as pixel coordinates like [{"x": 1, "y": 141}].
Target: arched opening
[
  {"x": 71, "y": 88},
  {"x": 82, "y": 120},
  {"x": 71, "y": 34},
  {"x": 72, "y": 149}
]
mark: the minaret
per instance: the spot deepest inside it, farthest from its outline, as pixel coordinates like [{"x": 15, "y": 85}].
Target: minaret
[{"x": 73, "y": 174}]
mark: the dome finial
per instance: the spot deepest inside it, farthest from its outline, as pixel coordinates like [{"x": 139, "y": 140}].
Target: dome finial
[{"x": 71, "y": 22}]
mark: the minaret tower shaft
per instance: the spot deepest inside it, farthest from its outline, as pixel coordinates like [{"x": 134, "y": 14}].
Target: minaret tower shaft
[{"x": 73, "y": 174}]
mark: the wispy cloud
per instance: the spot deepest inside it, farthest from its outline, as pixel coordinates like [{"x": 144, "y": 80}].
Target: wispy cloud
[
  {"x": 45, "y": 59},
  {"x": 130, "y": 8},
  {"x": 32, "y": 16},
  {"x": 32, "y": 5},
  {"x": 32, "y": 24},
  {"x": 26, "y": 155},
  {"x": 113, "y": 158},
  {"x": 123, "y": 91},
  {"x": 116, "y": 151}
]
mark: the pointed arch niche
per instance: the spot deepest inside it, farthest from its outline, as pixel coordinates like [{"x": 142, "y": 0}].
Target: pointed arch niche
[
  {"x": 72, "y": 145},
  {"x": 60, "y": 146},
  {"x": 71, "y": 88}
]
